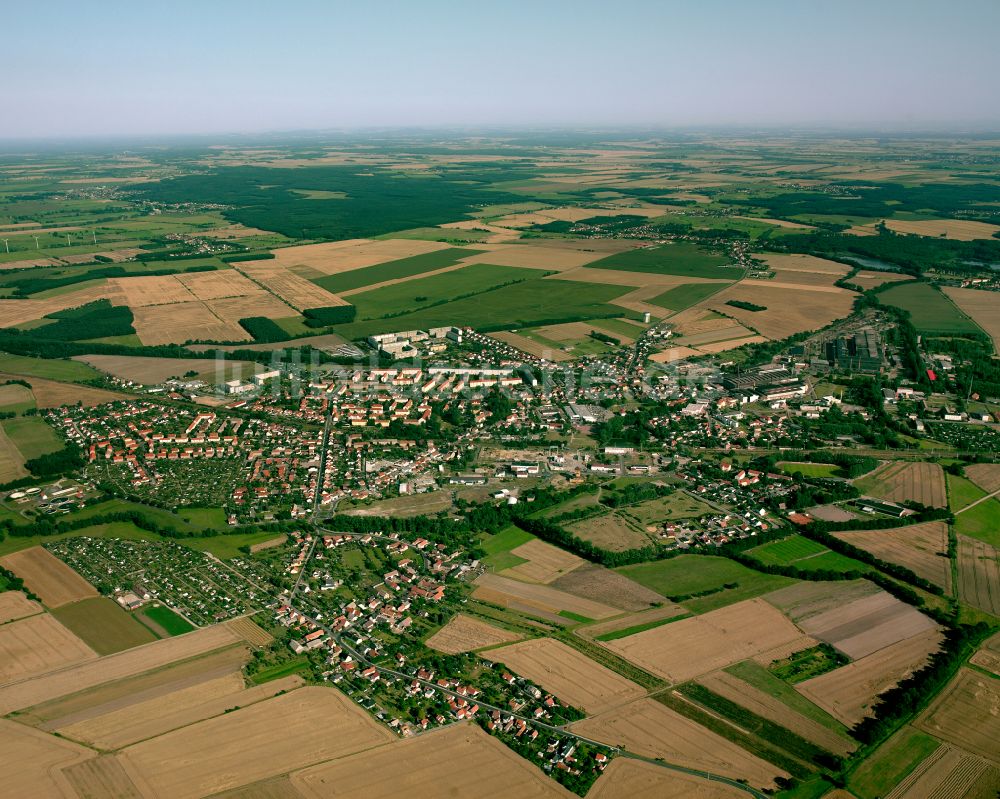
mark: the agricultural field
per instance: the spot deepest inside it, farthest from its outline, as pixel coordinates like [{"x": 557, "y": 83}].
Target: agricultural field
[
  {"x": 47, "y": 577},
  {"x": 984, "y": 475},
  {"x": 396, "y": 270},
  {"x": 40, "y": 760},
  {"x": 244, "y": 747},
  {"x": 653, "y": 730},
  {"x": 609, "y": 531},
  {"x": 979, "y": 574},
  {"x": 32, "y": 436},
  {"x": 906, "y": 481},
  {"x": 543, "y": 563},
  {"x": 809, "y": 469},
  {"x": 981, "y": 307},
  {"x": 892, "y": 763},
  {"x": 922, "y": 548},
  {"x": 36, "y": 645},
  {"x": 11, "y": 459},
  {"x": 930, "y": 310},
  {"x": 15, "y": 605},
  {"x": 847, "y": 693},
  {"x": 539, "y": 600},
  {"x": 16, "y": 399},
  {"x": 698, "y": 645},
  {"x": 981, "y": 521},
  {"x": 458, "y": 761},
  {"x": 703, "y": 583},
  {"x": 572, "y": 677},
  {"x": 103, "y": 625},
  {"x": 965, "y": 714},
  {"x": 803, "y": 553},
  {"x": 634, "y": 778},
  {"x": 679, "y": 258},
  {"x": 465, "y": 634},
  {"x": 608, "y": 587}
]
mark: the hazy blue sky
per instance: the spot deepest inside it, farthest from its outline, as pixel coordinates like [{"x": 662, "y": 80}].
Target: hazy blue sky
[{"x": 83, "y": 68}]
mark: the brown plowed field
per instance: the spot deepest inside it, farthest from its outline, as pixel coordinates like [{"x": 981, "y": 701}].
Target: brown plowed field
[
  {"x": 113, "y": 667},
  {"x": 343, "y": 256},
  {"x": 904, "y": 481},
  {"x": 33, "y": 762},
  {"x": 763, "y": 704},
  {"x": 599, "y": 584},
  {"x": 15, "y": 605},
  {"x": 848, "y": 692},
  {"x": 465, "y": 633},
  {"x": 544, "y": 562},
  {"x": 984, "y": 475},
  {"x": 867, "y": 625},
  {"x": 282, "y": 734},
  {"x": 572, "y": 677},
  {"x": 171, "y": 711},
  {"x": 101, "y": 777},
  {"x": 48, "y": 577},
  {"x": 504, "y": 591},
  {"x": 688, "y": 648},
  {"x": 636, "y": 779},
  {"x": 979, "y": 574},
  {"x": 458, "y": 761},
  {"x": 806, "y": 600},
  {"x": 651, "y": 729},
  {"x": 37, "y": 645},
  {"x": 967, "y": 714},
  {"x": 922, "y": 548}
]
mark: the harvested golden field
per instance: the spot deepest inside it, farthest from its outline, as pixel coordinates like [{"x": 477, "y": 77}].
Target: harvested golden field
[
  {"x": 981, "y": 306},
  {"x": 15, "y": 605},
  {"x": 269, "y": 738},
  {"x": 179, "y": 322},
  {"x": 955, "y": 229},
  {"x": 544, "y": 562},
  {"x": 803, "y": 263},
  {"x": 101, "y": 777},
  {"x": 768, "y": 706},
  {"x": 138, "y": 292},
  {"x": 40, "y": 759},
  {"x": 599, "y": 584},
  {"x": 531, "y": 256},
  {"x": 648, "y": 282},
  {"x": 636, "y": 779},
  {"x": 979, "y": 574},
  {"x": 984, "y": 475},
  {"x": 458, "y": 761},
  {"x": 868, "y": 624},
  {"x": 691, "y": 647},
  {"x": 138, "y": 721},
  {"x": 922, "y": 548},
  {"x": 988, "y": 655},
  {"x": 731, "y": 344},
  {"x": 37, "y": 645},
  {"x": 342, "y": 256},
  {"x": 870, "y": 280},
  {"x": 651, "y": 729},
  {"x": 464, "y": 634},
  {"x": 232, "y": 309},
  {"x": 967, "y": 714},
  {"x": 273, "y": 788},
  {"x": 53, "y": 394},
  {"x": 247, "y": 629},
  {"x": 949, "y": 773},
  {"x": 47, "y": 577},
  {"x": 848, "y": 692},
  {"x": 903, "y": 481},
  {"x": 219, "y": 284},
  {"x": 149, "y": 371},
  {"x": 790, "y": 309},
  {"x": 28, "y": 693},
  {"x": 14, "y": 394},
  {"x": 574, "y": 678},
  {"x": 671, "y": 354},
  {"x": 11, "y": 459},
  {"x": 295, "y": 290},
  {"x": 513, "y": 593}
]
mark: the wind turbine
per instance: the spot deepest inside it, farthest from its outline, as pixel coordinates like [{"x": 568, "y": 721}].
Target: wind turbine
[
  {"x": 36, "y": 242},
  {"x": 67, "y": 240},
  {"x": 6, "y": 243}
]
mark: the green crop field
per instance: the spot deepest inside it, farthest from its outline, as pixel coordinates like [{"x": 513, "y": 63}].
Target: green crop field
[
  {"x": 498, "y": 548},
  {"x": 962, "y": 492},
  {"x": 32, "y": 435},
  {"x": 891, "y": 762},
  {"x": 392, "y": 270},
  {"x": 687, "y": 575},
  {"x": 411, "y": 294},
  {"x": 15, "y": 398},
  {"x": 164, "y": 618},
  {"x": 930, "y": 310},
  {"x": 524, "y": 304},
  {"x": 681, "y": 297},
  {"x": 53, "y": 369},
  {"x": 622, "y": 327},
  {"x": 103, "y": 625},
  {"x": 809, "y": 469},
  {"x": 805, "y": 554},
  {"x": 982, "y": 522},
  {"x": 679, "y": 258}
]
